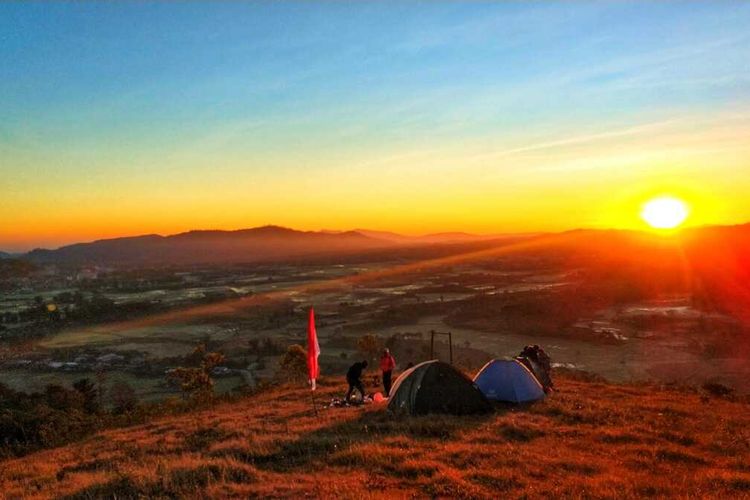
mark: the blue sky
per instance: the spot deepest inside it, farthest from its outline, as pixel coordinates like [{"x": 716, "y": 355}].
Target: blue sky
[{"x": 140, "y": 99}]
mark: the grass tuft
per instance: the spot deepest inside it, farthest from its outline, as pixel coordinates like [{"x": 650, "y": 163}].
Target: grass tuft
[
  {"x": 520, "y": 433},
  {"x": 203, "y": 438},
  {"x": 679, "y": 457}
]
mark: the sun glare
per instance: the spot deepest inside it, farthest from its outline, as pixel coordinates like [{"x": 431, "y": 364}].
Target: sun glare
[{"x": 665, "y": 212}]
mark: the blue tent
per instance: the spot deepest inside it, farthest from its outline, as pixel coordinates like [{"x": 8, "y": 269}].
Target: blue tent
[{"x": 508, "y": 380}]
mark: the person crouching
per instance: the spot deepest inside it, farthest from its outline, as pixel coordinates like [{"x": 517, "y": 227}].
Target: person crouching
[{"x": 354, "y": 379}]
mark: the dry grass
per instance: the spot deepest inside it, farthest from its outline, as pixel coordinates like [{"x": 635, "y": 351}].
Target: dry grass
[{"x": 589, "y": 440}]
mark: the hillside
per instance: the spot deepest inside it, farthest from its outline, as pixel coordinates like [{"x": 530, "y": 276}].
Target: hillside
[
  {"x": 435, "y": 238},
  {"x": 589, "y": 439}
]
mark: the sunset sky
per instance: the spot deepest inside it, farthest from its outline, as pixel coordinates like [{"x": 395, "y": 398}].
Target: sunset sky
[{"x": 413, "y": 117}]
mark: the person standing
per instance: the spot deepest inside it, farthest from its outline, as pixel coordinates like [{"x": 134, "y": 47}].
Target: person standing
[{"x": 387, "y": 364}]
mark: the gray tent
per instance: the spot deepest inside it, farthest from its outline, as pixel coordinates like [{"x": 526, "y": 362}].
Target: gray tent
[{"x": 436, "y": 387}]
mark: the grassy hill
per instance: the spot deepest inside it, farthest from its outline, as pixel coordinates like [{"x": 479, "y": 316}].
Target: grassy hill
[{"x": 589, "y": 439}]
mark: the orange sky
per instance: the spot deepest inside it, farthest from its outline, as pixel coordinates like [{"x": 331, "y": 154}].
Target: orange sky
[{"x": 503, "y": 119}]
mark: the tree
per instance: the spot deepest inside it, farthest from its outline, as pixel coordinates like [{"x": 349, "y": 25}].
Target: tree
[
  {"x": 90, "y": 397},
  {"x": 60, "y": 398},
  {"x": 369, "y": 346},
  {"x": 195, "y": 358},
  {"x": 123, "y": 397},
  {"x": 101, "y": 379},
  {"x": 294, "y": 363},
  {"x": 196, "y": 382}
]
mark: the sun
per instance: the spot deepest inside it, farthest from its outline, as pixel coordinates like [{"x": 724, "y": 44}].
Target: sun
[{"x": 665, "y": 212}]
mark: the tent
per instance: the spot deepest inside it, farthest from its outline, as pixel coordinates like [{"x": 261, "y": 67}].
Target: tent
[
  {"x": 436, "y": 387},
  {"x": 508, "y": 380}
]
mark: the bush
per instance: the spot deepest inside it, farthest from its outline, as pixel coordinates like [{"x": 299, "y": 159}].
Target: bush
[
  {"x": 196, "y": 382},
  {"x": 123, "y": 397},
  {"x": 294, "y": 363},
  {"x": 90, "y": 395},
  {"x": 31, "y": 421},
  {"x": 718, "y": 390},
  {"x": 369, "y": 347}
]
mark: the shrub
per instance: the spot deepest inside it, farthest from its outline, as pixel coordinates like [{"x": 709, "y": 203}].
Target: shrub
[
  {"x": 88, "y": 392},
  {"x": 369, "y": 347},
  {"x": 31, "y": 421},
  {"x": 716, "y": 389},
  {"x": 294, "y": 363},
  {"x": 196, "y": 382},
  {"x": 123, "y": 397}
]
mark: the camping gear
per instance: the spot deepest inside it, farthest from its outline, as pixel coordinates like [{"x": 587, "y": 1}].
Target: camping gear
[
  {"x": 541, "y": 374},
  {"x": 436, "y": 387},
  {"x": 510, "y": 381},
  {"x": 540, "y": 364},
  {"x": 343, "y": 403}
]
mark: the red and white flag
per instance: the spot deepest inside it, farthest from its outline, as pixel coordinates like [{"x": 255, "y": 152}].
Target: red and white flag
[{"x": 313, "y": 350}]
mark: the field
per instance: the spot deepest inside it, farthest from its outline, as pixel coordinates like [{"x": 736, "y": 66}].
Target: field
[{"x": 589, "y": 439}]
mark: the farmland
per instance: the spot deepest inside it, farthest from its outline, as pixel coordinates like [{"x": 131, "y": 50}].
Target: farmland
[{"x": 492, "y": 307}]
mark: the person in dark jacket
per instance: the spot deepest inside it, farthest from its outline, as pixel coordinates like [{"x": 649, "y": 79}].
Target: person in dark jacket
[
  {"x": 354, "y": 379},
  {"x": 539, "y": 363},
  {"x": 387, "y": 364}
]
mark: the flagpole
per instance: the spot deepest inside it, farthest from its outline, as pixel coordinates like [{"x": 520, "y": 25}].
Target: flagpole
[{"x": 312, "y": 397}]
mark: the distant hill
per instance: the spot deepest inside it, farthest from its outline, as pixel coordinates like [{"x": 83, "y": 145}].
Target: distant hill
[
  {"x": 246, "y": 245},
  {"x": 465, "y": 237},
  {"x": 707, "y": 249},
  {"x": 15, "y": 268},
  {"x": 449, "y": 237},
  {"x": 711, "y": 263},
  {"x": 266, "y": 243},
  {"x": 385, "y": 235},
  {"x": 5, "y": 255}
]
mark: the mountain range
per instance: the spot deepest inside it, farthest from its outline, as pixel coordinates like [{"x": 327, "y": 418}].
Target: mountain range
[
  {"x": 245, "y": 245},
  {"x": 717, "y": 246}
]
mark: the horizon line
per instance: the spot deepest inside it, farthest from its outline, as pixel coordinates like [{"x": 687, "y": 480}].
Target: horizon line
[{"x": 28, "y": 249}]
